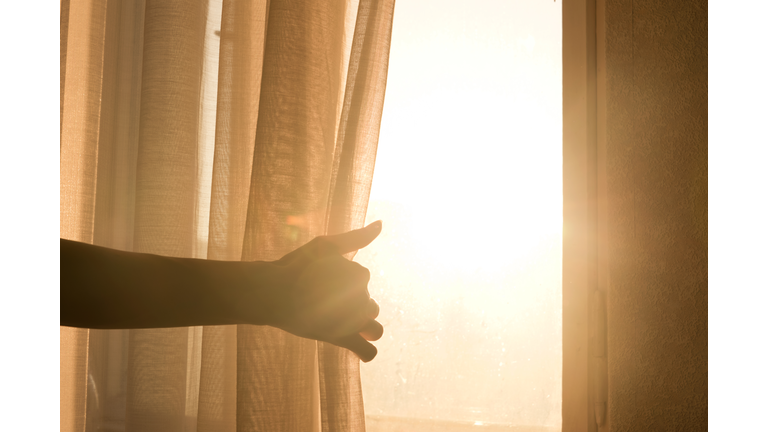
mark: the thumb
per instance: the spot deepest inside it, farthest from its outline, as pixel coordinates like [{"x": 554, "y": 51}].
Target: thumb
[{"x": 355, "y": 239}]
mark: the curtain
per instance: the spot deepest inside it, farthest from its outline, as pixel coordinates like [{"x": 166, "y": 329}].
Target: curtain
[{"x": 228, "y": 130}]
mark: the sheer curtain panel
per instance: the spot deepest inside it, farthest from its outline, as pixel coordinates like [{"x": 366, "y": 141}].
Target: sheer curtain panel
[{"x": 227, "y": 130}]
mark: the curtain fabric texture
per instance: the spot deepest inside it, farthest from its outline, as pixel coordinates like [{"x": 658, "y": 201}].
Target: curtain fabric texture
[{"x": 228, "y": 130}]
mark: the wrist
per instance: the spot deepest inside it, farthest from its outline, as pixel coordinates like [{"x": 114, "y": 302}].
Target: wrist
[{"x": 258, "y": 298}]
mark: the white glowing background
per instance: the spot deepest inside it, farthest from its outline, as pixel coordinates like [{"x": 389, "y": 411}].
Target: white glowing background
[{"x": 468, "y": 182}]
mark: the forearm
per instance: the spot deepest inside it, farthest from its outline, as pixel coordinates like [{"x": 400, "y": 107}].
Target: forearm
[{"x": 106, "y": 288}]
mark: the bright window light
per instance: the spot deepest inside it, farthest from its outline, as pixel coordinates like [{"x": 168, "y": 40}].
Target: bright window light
[{"x": 468, "y": 182}]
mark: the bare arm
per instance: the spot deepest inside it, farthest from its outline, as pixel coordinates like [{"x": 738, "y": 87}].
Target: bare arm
[{"x": 312, "y": 292}]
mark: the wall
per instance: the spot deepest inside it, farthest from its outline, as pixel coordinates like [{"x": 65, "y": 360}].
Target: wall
[{"x": 656, "y": 176}]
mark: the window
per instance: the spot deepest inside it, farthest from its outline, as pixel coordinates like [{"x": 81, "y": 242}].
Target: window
[{"x": 468, "y": 182}]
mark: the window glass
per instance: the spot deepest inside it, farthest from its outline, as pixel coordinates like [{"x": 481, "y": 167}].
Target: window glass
[{"x": 468, "y": 183}]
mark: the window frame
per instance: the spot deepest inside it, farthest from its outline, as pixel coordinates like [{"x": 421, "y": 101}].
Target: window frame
[{"x": 585, "y": 273}]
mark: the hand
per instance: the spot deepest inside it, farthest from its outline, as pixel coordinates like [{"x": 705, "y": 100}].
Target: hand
[{"x": 326, "y": 295}]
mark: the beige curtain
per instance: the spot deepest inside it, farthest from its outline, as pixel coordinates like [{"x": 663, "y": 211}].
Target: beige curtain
[{"x": 229, "y": 130}]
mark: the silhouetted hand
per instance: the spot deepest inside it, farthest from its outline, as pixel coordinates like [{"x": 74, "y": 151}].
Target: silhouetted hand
[
  {"x": 324, "y": 296},
  {"x": 312, "y": 292}
]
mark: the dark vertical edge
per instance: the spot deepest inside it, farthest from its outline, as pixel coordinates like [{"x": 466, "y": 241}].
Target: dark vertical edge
[
  {"x": 577, "y": 253},
  {"x": 602, "y": 221},
  {"x": 591, "y": 52}
]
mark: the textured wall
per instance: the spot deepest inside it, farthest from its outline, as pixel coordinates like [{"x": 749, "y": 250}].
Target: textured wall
[{"x": 656, "y": 165}]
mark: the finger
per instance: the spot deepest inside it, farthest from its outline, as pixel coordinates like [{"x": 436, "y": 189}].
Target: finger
[
  {"x": 355, "y": 343},
  {"x": 372, "y": 309},
  {"x": 372, "y": 331},
  {"x": 355, "y": 239}
]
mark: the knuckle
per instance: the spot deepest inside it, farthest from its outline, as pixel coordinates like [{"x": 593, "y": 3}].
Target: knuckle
[
  {"x": 321, "y": 247},
  {"x": 361, "y": 271},
  {"x": 319, "y": 241},
  {"x": 356, "y": 271},
  {"x": 318, "y": 244}
]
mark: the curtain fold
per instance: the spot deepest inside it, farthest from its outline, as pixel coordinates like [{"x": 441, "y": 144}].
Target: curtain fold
[
  {"x": 341, "y": 396},
  {"x": 225, "y": 130}
]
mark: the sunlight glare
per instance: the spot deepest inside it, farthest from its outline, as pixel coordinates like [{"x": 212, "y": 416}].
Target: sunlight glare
[{"x": 468, "y": 183}]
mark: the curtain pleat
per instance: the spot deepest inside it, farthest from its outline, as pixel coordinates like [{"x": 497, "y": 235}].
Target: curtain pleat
[
  {"x": 118, "y": 149},
  {"x": 355, "y": 153},
  {"x": 115, "y": 200},
  {"x": 230, "y": 130},
  {"x": 167, "y": 193},
  {"x": 167, "y": 165},
  {"x": 240, "y": 62},
  {"x": 361, "y": 117},
  {"x": 294, "y": 144},
  {"x": 239, "y": 84},
  {"x": 81, "y": 117},
  {"x": 81, "y": 74},
  {"x": 217, "y": 402}
]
